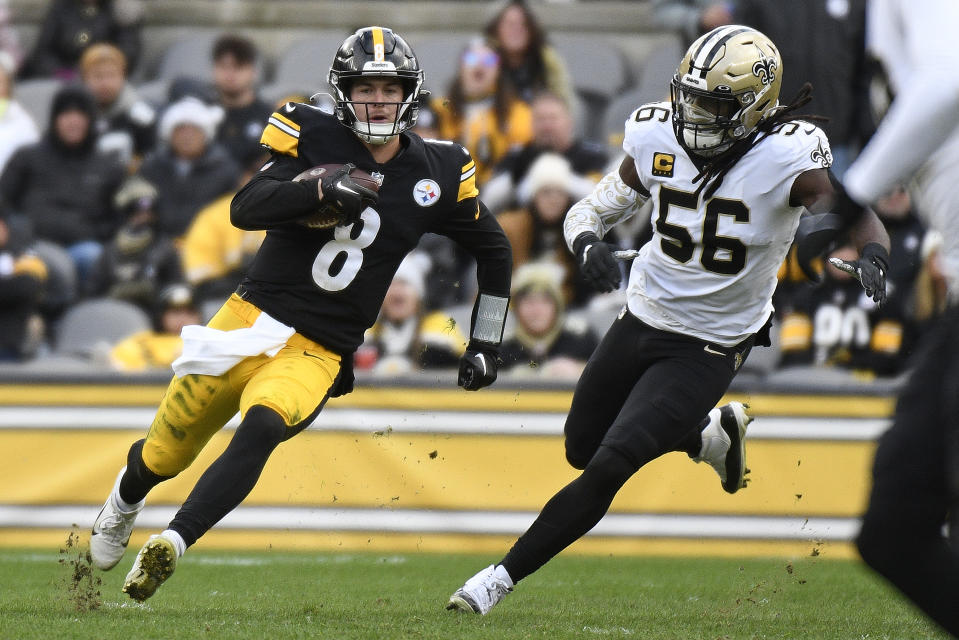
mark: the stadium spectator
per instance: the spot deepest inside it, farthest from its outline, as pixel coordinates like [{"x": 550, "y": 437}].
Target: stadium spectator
[
  {"x": 138, "y": 262},
  {"x": 125, "y": 124},
  {"x": 821, "y": 42},
  {"x": 728, "y": 174},
  {"x": 17, "y": 127},
  {"x": 244, "y": 112},
  {"x": 915, "y": 486},
  {"x": 529, "y": 62},
  {"x": 155, "y": 349},
  {"x": 691, "y": 18},
  {"x": 9, "y": 38},
  {"x": 22, "y": 276},
  {"x": 64, "y": 185},
  {"x": 545, "y": 343},
  {"x": 406, "y": 337},
  {"x": 535, "y": 230},
  {"x": 836, "y": 325},
  {"x": 188, "y": 168},
  {"x": 215, "y": 254},
  {"x": 553, "y": 131},
  {"x": 70, "y": 26},
  {"x": 481, "y": 111}
]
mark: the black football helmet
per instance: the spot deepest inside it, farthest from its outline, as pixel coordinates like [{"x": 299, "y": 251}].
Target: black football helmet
[{"x": 375, "y": 52}]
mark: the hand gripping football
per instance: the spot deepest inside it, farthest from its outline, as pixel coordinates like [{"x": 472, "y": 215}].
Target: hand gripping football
[{"x": 327, "y": 216}]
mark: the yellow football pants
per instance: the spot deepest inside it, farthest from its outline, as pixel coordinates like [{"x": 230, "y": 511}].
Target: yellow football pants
[{"x": 294, "y": 383}]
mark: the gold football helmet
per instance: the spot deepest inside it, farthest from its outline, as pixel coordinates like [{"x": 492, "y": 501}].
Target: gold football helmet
[{"x": 725, "y": 85}]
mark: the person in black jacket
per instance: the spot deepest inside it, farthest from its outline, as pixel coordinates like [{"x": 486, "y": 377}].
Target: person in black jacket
[
  {"x": 822, "y": 42},
  {"x": 22, "y": 276},
  {"x": 70, "y": 26},
  {"x": 125, "y": 123},
  {"x": 283, "y": 343},
  {"x": 63, "y": 185}
]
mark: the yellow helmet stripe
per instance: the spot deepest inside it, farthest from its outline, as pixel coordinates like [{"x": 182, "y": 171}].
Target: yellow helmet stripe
[{"x": 378, "y": 54}]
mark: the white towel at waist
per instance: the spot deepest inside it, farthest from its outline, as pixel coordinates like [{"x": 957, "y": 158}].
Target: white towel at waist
[{"x": 209, "y": 351}]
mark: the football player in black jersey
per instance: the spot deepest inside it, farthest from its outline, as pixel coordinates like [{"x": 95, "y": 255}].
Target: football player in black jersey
[{"x": 283, "y": 343}]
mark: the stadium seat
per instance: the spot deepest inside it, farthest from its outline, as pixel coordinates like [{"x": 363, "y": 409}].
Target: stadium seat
[
  {"x": 92, "y": 326},
  {"x": 36, "y": 96},
  {"x": 303, "y": 66},
  {"x": 595, "y": 68},
  {"x": 439, "y": 57},
  {"x": 652, "y": 85},
  {"x": 190, "y": 57},
  {"x": 62, "y": 287}
]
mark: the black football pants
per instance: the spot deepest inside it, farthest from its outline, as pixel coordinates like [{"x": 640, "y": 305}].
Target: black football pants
[
  {"x": 644, "y": 392},
  {"x": 915, "y": 475}
]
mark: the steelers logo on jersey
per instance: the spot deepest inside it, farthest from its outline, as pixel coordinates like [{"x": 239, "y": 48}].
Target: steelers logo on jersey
[{"x": 426, "y": 192}]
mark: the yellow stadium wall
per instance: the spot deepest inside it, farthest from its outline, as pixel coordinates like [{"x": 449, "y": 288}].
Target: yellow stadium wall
[{"x": 400, "y": 469}]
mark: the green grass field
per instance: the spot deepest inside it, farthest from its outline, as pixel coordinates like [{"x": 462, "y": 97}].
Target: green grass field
[{"x": 310, "y": 595}]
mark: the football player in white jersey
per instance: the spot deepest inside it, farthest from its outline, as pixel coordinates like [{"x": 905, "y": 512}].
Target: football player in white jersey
[
  {"x": 916, "y": 469},
  {"x": 729, "y": 171}
]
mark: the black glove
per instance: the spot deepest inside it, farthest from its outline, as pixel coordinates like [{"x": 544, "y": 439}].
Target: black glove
[
  {"x": 477, "y": 367},
  {"x": 870, "y": 269},
  {"x": 345, "y": 195},
  {"x": 343, "y": 384},
  {"x": 596, "y": 262}
]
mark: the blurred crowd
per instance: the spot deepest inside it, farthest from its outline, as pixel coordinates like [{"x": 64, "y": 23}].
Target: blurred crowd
[{"x": 122, "y": 200}]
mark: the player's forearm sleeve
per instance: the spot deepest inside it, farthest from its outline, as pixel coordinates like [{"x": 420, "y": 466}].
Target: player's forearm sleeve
[
  {"x": 266, "y": 202},
  {"x": 611, "y": 202}
]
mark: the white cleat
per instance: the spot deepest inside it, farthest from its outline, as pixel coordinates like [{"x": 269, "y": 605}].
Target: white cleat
[
  {"x": 111, "y": 531},
  {"x": 480, "y": 593},
  {"x": 724, "y": 444}
]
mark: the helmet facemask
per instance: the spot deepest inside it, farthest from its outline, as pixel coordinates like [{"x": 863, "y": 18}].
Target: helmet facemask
[
  {"x": 375, "y": 52},
  {"x": 727, "y": 83},
  {"x": 357, "y": 115}
]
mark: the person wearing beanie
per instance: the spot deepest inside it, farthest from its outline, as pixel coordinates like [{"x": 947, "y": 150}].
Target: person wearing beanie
[
  {"x": 138, "y": 262},
  {"x": 124, "y": 122},
  {"x": 64, "y": 185},
  {"x": 405, "y": 336},
  {"x": 535, "y": 230},
  {"x": 188, "y": 167},
  {"x": 544, "y": 344},
  {"x": 158, "y": 348}
]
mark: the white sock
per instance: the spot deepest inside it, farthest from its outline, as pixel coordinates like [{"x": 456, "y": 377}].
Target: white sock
[
  {"x": 177, "y": 541},
  {"x": 501, "y": 573}
]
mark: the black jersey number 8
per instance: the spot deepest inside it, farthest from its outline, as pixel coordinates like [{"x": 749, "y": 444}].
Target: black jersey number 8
[
  {"x": 342, "y": 243},
  {"x": 677, "y": 243}
]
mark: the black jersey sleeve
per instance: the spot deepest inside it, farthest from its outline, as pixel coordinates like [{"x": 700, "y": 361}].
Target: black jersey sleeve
[
  {"x": 474, "y": 228},
  {"x": 271, "y": 199}
]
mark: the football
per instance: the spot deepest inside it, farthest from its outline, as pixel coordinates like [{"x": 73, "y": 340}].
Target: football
[{"x": 327, "y": 216}]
